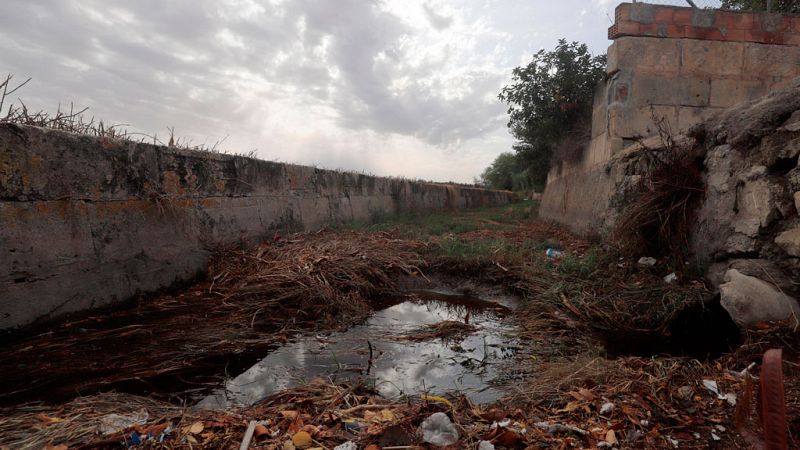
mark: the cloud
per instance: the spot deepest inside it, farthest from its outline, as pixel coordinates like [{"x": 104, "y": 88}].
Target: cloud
[
  {"x": 372, "y": 81},
  {"x": 440, "y": 22}
]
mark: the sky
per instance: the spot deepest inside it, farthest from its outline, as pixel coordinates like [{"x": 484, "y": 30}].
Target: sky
[{"x": 390, "y": 87}]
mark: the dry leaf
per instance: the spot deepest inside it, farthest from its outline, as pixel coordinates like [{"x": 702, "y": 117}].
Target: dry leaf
[
  {"x": 56, "y": 447},
  {"x": 196, "y": 428},
  {"x": 289, "y": 414},
  {"x": 611, "y": 437},
  {"x": 48, "y": 420}
]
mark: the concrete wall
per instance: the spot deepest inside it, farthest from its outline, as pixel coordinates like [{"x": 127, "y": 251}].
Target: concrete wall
[
  {"x": 676, "y": 65},
  {"x": 86, "y": 222}
]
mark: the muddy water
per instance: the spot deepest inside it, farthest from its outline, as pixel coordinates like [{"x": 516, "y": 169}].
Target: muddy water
[{"x": 379, "y": 352}]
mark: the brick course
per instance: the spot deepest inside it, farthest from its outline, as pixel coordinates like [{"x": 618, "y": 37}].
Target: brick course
[{"x": 642, "y": 19}]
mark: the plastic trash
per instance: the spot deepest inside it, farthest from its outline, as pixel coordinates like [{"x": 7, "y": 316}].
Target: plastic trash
[
  {"x": 112, "y": 423},
  {"x": 671, "y": 278},
  {"x": 349, "y": 445},
  {"x": 606, "y": 408},
  {"x": 485, "y": 445},
  {"x": 438, "y": 430},
  {"x": 553, "y": 253},
  {"x": 647, "y": 261}
]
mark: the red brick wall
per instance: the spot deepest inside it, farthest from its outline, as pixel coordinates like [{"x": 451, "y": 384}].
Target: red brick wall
[{"x": 642, "y": 19}]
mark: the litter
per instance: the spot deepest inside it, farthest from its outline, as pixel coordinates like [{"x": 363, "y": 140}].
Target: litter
[
  {"x": 113, "y": 423},
  {"x": 438, "y": 430},
  {"x": 647, "y": 261},
  {"x": 485, "y": 445}
]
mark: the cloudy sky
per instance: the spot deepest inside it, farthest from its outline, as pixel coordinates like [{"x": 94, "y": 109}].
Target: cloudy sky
[{"x": 391, "y": 87}]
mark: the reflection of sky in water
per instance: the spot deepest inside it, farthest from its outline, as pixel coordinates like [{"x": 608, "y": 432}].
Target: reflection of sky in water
[{"x": 398, "y": 367}]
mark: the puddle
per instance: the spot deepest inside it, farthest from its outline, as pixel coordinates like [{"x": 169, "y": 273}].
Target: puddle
[{"x": 465, "y": 362}]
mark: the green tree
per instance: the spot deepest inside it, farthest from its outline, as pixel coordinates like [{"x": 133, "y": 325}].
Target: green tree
[
  {"x": 784, "y": 6},
  {"x": 500, "y": 174},
  {"x": 548, "y": 98}
]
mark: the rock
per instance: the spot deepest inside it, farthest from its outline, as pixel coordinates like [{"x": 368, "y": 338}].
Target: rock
[
  {"x": 793, "y": 179},
  {"x": 438, "y": 430},
  {"x": 789, "y": 241},
  {"x": 647, "y": 261},
  {"x": 759, "y": 205},
  {"x": 797, "y": 201},
  {"x": 750, "y": 300},
  {"x": 671, "y": 278},
  {"x": 758, "y": 268}
]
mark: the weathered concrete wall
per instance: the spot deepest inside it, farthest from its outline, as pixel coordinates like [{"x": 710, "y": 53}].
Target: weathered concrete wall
[
  {"x": 86, "y": 222},
  {"x": 681, "y": 65}
]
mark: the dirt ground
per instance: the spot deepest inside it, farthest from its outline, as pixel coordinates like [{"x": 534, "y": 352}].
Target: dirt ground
[{"x": 611, "y": 355}]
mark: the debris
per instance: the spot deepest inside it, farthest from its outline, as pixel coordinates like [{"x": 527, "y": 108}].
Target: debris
[
  {"x": 553, "y": 253},
  {"x": 288, "y": 445},
  {"x": 606, "y": 408},
  {"x": 349, "y": 445},
  {"x": 713, "y": 388},
  {"x": 260, "y": 430},
  {"x": 248, "y": 434},
  {"x": 301, "y": 440},
  {"x": 485, "y": 445},
  {"x": 559, "y": 428},
  {"x": 113, "y": 423},
  {"x": 671, "y": 278},
  {"x": 647, "y": 261},
  {"x": 438, "y": 430},
  {"x": 611, "y": 437}
]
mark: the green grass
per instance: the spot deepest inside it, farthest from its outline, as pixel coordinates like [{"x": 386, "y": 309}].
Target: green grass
[{"x": 442, "y": 224}]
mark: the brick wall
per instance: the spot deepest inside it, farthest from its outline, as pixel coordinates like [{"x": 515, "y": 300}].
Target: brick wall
[{"x": 642, "y": 19}]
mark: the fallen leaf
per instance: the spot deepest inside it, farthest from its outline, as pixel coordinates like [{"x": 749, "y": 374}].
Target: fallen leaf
[
  {"x": 372, "y": 447},
  {"x": 611, "y": 437},
  {"x": 301, "y": 439},
  {"x": 48, "y": 420},
  {"x": 571, "y": 406},
  {"x": 196, "y": 428},
  {"x": 260, "y": 430},
  {"x": 289, "y": 414},
  {"x": 56, "y": 447}
]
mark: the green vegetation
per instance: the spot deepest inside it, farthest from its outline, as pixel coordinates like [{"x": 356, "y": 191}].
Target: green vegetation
[
  {"x": 784, "y": 6},
  {"x": 442, "y": 224},
  {"x": 550, "y": 109}
]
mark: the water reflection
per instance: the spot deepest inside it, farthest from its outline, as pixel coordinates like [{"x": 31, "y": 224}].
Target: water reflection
[{"x": 466, "y": 363}]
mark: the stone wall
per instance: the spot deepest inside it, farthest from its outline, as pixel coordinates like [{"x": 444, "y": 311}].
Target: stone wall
[
  {"x": 88, "y": 222},
  {"x": 677, "y": 65}
]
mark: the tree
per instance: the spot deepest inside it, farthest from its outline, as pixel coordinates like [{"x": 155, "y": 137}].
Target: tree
[
  {"x": 499, "y": 175},
  {"x": 548, "y": 98},
  {"x": 783, "y": 6}
]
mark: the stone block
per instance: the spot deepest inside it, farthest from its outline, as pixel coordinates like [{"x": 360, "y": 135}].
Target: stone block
[
  {"x": 646, "y": 56},
  {"x": 770, "y": 61},
  {"x": 626, "y": 122},
  {"x": 751, "y": 301},
  {"x": 711, "y": 59},
  {"x": 726, "y": 93}
]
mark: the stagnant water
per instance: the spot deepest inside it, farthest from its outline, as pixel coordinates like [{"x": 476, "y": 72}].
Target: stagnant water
[{"x": 379, "y": 353}]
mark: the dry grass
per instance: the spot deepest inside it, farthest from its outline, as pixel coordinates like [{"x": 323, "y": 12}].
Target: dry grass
[
  {"x": 252, "y": 299},
  {"x": 658, "y": 215}
]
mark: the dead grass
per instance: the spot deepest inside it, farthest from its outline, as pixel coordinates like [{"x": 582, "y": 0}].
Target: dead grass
[
  {"x": 658, "y": 213},
  {"x": 252, "y": 299}
]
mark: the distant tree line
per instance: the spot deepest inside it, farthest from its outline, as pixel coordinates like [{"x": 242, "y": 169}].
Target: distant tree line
[{"x": 548, "y": 99}]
